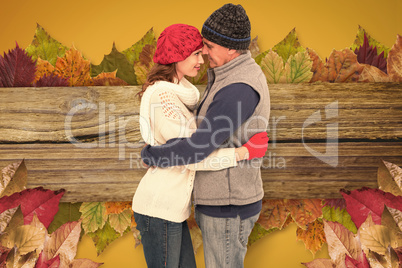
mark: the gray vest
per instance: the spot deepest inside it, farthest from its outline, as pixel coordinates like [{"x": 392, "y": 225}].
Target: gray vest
[{"x": 239, "y": 185}]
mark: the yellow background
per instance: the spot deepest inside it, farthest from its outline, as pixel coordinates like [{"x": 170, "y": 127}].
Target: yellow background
[{"x": 92, "y": 27}]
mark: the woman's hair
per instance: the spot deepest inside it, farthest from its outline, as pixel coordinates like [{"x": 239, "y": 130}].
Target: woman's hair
[{"x": 159, "y": 72}]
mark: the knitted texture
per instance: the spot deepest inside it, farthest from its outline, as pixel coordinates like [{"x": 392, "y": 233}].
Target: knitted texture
[
  {"x": 228, "y": 26},
  {"x": 176, "y": 43}
]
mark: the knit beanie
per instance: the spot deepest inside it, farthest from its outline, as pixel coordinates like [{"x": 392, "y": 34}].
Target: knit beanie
[
  {"x": 176, "y": 43},
  {"x": 229, "y": 27}
]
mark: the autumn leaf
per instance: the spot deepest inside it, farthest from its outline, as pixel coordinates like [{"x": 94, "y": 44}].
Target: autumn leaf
[
  {"x": 335, "y": 203},
  {"x": 108, "y": 79},
  {"x": 84, "y": 263},
  {"x": 368, "y": 55},
  {"x": 3, "y": 255},
  {"x": 93, "y": 216},
  {"x": 298, "y": 68},
  {"x": 121, "y": 222},
  {"x": 273, "y": 214},
  {"x": 376, "y": 238},
  {"x": 392, "y": 219},
  {"x": 360, "y": 36},
  {"x": 372, "y": 74},
  {"x": 116, "y": 61},
  {"x": 133, "y": 53},
  {"x": 320, "y": 263},
  {"x": 13, "y": 178},
  {"x": 103, "y": 237},
  {"x": 45, "y": 47},
  {"x": 339, "y": 215},
  {"x": 389, "y": 178},
  {"x": 51, "y": 80},
  {"x": 305, "y": 211},
  {"x": 320, "y": 72},
  {"x": 16, "y": 260},
  {"x": 389, "y": 259},
  {"x": 341, "y": 242},
  {"x": 289, "y": 46},
  {"x": 272, "y": 67},
  {"x": 43, "y": 68},
  {"x": 362, "y": 202},
  {"x": 313, "y": 237},
  {"x": 11, "y": 218},
  {"x": 17, "y": 69},
  {"x": 42, "y": 263},
  {"x": 43, "y": 203},
  {"x": 26, "y": 238},
  {"x": 63, "y": 242},
  {"x": 258, "y": 232},
  {"x": 144, "y": 64},
  {"x": 74, "y": 68},
  {"x": 68, "y": 212},
  {"x": 117, "y": 207},
  {"x": 343, "y": 66},
  {"x": 394, "y": 64},
  {"x": 362, "y": 262},
  {"x": 254, "y": 48}
]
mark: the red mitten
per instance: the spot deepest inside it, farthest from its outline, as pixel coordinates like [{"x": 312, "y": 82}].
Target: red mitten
[{"x": 257, "y": 145}]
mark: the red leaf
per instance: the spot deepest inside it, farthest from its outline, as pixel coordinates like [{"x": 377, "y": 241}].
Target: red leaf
[
  {"x": 335, "y": 203},
  {"x": 359, "y": 203},
  {"x": 51, "y": 80},
  {"x": 368, "y": 54},
  {"x": 360, "y": 263},
  {"x": 42, "y": 263},
  {"x": 43, "y": 203},
  {"x": 16, "y": 69},
  {"x": 3, "y": 255}
]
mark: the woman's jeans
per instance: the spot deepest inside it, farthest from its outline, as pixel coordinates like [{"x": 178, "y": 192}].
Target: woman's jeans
[
  {"x": 225, "y": 239},
  {"x": 165, "y": 243}
]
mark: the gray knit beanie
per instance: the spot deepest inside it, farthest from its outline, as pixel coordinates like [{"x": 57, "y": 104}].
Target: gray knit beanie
[{"x": 229, "y": 27}]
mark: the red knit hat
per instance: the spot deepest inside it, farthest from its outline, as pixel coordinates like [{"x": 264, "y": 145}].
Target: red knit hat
[{"x": 176, "y": 43}]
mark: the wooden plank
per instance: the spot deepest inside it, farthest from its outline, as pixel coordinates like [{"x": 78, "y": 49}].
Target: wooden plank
[
  {"x": 289, "y": 169},
  {"x": 110, "y": 114}
]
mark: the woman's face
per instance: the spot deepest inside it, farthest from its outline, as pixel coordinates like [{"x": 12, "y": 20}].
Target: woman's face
[{"x": 190, "y": 66}]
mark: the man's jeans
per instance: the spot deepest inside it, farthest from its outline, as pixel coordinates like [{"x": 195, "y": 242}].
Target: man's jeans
[
  {"x": 225, "y": 239},
  {"x": 165, "y": 243}
]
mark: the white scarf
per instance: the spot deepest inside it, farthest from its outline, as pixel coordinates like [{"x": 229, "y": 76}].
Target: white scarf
[{"x": 185, "y": 91}]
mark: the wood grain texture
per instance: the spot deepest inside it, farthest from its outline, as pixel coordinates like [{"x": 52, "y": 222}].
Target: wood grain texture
[{"x": 323, "y": 137}]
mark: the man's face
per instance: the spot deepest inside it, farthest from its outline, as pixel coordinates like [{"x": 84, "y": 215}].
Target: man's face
[{"x": 217, "y": 55}]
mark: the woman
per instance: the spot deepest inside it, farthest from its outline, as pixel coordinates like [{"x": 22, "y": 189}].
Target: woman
[{"x": 162, "y": 202}]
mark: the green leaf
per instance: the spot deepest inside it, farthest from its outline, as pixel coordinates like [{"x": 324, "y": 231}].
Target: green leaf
[
  {"x": 372, "y": 42},
  {"x": 259, "y": 232},
  {"x": 298, "y": 68},
  {"x": 133, "y": 53},
  {"x": 339, "y": 215},
  {"x": 45, "y": 47},
  {"x": 103, "y": 237},
  {"x": 93, "y": 216},
  {"x": 68, "y": 212},
  {"x": 116, "y": 61},
  {"x": 288, "y": 46}
]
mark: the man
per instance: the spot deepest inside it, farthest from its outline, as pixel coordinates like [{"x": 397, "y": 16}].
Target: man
[{"x": 235, "y": 106}]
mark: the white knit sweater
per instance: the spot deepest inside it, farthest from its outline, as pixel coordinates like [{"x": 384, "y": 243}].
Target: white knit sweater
[{"x": 166, "y": 192}]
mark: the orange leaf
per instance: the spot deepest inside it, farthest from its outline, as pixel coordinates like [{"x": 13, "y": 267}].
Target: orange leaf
[
  {"x": 117, "y": 207},
  {"x": 394, "y": 63},
  {"x": 313, "y": 237},
  {"x": 343, "y": 66},
  {"x": 74, "y": 68},
  {"x": 305, "y": 211},
  {"x": 273, "y": 214},
  {"x": 43, "y": 67},
  {"x": 320, "y": 72}
]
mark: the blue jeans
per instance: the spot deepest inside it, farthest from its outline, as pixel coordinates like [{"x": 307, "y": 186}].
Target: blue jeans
[
  {"x": 225, "y": 239},
  {"x": 165, "y": 243}
]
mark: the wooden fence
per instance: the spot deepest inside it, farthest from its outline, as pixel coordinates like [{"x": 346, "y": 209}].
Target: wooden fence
[{"x": 323, "y": 137}]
